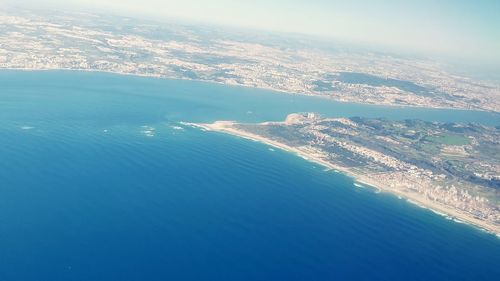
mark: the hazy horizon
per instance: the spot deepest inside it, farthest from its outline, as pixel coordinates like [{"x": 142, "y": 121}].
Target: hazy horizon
[{"x": 461, "y": 30}]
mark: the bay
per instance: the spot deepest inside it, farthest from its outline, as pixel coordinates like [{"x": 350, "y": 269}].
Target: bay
[{"x": 100, "y": 181}]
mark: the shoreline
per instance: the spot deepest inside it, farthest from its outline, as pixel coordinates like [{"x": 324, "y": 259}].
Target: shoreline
[
  {"x": 160, "y": 76},
  {"x": 411, "y": 197}
]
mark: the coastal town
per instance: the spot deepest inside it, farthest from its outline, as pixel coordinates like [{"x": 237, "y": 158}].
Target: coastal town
[
  {"x": 288, "y": 64},
  {"x": 450, "y": 168}
]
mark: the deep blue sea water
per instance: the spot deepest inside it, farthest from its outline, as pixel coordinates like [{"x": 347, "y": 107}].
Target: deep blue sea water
[{"x": 90, "y": 191}]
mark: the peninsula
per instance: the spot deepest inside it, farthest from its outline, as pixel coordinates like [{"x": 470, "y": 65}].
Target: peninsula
[{"x": 452, "y": 169}]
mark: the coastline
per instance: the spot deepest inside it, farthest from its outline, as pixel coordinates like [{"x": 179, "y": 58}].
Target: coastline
[
  {"x": 160, "y": 76},
  {"x": 412, "y": 197}
]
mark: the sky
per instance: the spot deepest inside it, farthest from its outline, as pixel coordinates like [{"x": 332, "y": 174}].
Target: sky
[{"x": 464, "y": 29}]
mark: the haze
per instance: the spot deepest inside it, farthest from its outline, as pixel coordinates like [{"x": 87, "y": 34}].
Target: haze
[{"x": 463, "y": 29}]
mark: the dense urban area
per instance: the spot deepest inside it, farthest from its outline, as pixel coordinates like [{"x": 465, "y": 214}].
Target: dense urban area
[
  {"x": 454, "y": 168},
  {"x": 453, "y": 165},
  {"x": 290, "y": 64}
]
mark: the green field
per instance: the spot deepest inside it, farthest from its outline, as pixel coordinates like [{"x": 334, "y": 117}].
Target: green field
[{"x": 448, "y": 139}]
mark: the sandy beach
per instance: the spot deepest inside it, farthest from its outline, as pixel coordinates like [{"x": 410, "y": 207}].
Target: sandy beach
[{"x": 412, "y": 197}]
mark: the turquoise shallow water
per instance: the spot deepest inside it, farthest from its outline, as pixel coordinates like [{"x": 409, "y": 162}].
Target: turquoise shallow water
[{"x": 86, "y": 194}]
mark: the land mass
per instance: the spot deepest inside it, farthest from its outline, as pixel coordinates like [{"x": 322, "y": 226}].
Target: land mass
[
  {"x": 281, "y": 62},
  {"x": 450, "y": 168}
]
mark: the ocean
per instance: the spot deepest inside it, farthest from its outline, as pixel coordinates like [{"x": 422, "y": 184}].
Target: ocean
[{"x": 100, "y": 181}]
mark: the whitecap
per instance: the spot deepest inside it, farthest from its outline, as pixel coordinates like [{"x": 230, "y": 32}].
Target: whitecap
[
  {"x": 148, "y": 131},
  {"x": 358, "y": 185}
]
